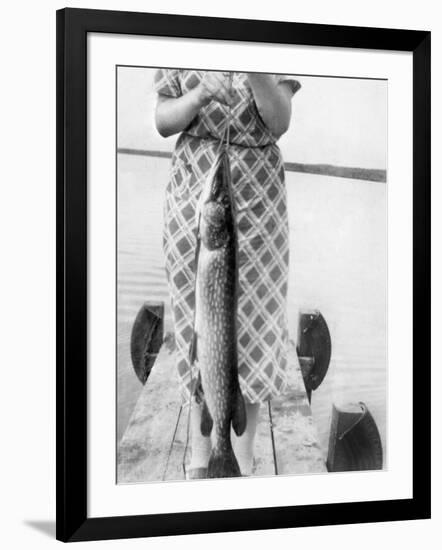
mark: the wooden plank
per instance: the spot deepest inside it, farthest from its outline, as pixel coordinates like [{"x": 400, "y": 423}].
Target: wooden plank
[
  {"x": 263, "y": 463},
  {"x": 129, "y": 387},
  {"x": 297, "y": 446},
  {"x": 144, "y": 447},
  {"x": 174, "y": 470},
  {"x": 152, "y": 447}
]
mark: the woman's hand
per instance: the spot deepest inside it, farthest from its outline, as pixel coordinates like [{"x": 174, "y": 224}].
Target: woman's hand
[
  {"x": 273, "y": 101},
  {"x": 215, "y": 85},
  {"x": 174, "y": 114}
]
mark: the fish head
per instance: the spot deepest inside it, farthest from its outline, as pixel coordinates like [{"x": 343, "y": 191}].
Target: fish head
[{"x": 215, "y": 209}]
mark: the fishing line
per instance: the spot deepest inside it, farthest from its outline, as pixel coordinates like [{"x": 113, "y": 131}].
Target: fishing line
[
  {"x": 192, "y": 391},
  {"x": 172, "y": 444},
  {"x": 229, "y": 114},
  {"x": 272, "y": 435}
]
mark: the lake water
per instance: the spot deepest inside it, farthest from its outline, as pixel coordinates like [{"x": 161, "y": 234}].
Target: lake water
[{"x": 338, "y": 265}]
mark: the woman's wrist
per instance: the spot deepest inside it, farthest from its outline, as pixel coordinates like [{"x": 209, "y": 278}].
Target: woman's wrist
[{"x": 173, "y": 115}]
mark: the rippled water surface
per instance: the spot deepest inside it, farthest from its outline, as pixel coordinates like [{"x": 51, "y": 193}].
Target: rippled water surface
[{"x": 338, "y": 265}]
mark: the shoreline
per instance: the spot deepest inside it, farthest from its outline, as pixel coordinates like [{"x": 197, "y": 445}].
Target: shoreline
[{"x": 349, "y": 172}]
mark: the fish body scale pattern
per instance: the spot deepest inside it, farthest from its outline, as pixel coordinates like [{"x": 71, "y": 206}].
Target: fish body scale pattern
[{"x": 217, "y": 356}]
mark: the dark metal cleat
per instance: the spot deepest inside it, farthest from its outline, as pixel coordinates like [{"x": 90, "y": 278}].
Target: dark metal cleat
[
  {"x": 354, "y": 443},
  {"x": 146, "y": 338},
  {"x": 313, "y": 348}
]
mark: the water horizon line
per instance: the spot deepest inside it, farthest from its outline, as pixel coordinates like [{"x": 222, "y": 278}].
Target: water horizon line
[{"x": 349, "y": 172}]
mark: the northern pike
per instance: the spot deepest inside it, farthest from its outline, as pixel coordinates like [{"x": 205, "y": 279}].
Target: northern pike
[{"x": 214, "y": 344}]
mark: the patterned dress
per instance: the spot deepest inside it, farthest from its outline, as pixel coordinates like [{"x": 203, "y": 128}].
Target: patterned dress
[{"x": 263, "y": 236}]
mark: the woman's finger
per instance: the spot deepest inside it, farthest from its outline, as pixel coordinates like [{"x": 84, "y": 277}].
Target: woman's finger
[
  {"x": 218, "y": 93},
  {"x": 216, "y": 85},
  {"x": 223, "y": 92},
  {"x": 223, "y": 96},
  {"x": 222, "y": 81}
]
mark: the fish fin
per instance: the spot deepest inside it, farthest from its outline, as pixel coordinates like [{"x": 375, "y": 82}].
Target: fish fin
[
  {"x": 199, "y": 392},
  {"x": 193, "y": 356},
  {"x": 239, "y": 416},
  {"x": 206, "y": 420},
  {"x": 223, "y": 463}
]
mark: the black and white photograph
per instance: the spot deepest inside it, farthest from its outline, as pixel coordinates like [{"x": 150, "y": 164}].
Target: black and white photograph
[
  {"x": 220, "y": 228},
  {"x": 251, "y": 300}
]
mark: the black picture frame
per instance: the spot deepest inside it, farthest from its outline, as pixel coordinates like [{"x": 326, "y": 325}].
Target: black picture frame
[{"x": 73, "y": 25}]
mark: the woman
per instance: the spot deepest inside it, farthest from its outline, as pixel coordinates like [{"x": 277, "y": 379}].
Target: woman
[{"x": 197, "y": 104}]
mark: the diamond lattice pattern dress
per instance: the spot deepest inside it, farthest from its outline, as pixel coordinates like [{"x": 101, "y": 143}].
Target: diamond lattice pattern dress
[{"x": 263, "y": 234}]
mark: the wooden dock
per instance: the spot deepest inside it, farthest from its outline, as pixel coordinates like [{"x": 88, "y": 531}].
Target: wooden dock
[{"x": 153, "y": 445}]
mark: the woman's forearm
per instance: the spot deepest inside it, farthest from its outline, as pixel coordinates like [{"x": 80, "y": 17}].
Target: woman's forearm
[
  {"x": 273, "y": 102},
  {"x": 174, "y": 114}
]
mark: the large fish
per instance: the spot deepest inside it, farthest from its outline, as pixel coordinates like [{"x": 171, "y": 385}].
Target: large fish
[{"x": 214, "y": 344}]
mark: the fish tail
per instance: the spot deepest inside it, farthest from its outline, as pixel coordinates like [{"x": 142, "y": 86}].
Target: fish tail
[
  {"x": 223, "y": 463},
  {"x": 239, "y": 417}
]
